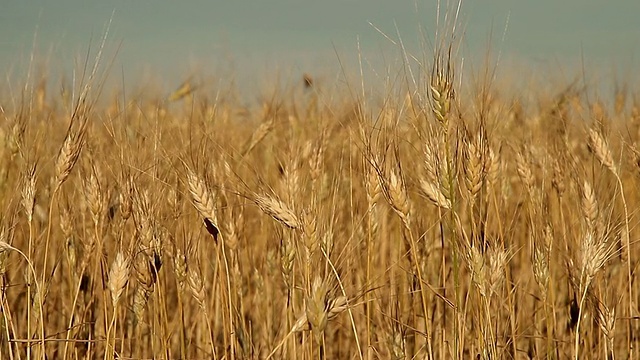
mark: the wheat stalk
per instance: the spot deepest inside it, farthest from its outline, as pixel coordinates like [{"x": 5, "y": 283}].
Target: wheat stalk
[
  {"x": 600, "y": 149},
  {"x": 524, "y": 171},
  {"x": 203, "y": 199},
  {"x": 261, "y": 132},
  {"x": 320, "y": 309},
  {"x": 397, "y": 197},
  {"x": 29, "y": 192},
  {"x": 474, "y": 166},
  {"x": 278, "y": 210},
  {"x": 69, "y": 152},
  {"x": 118, "y": 277},
  {"x": 589, "y": 206},
  {"x": 434, "y": 194}
]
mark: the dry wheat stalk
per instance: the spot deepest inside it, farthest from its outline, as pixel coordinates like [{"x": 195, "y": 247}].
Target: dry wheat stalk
[
  {"x": 474, "y": 165},
  {"x": 196, "y": 286},
  {"x": 94, "y": 194},
  {"x": 524, "y": 171},
  {"x": 372, "y": 185},
  {"x": 145, "y": 282},
  {"x": 232, "y": 238},
  {"x": 180, "y": 267},
  {"x": 316, "y": 161},
  {"x": 125, "y": 198},
  {"x": 287, "y": 258},
  {"x": 4, "y": 252},
  {"x": 327, "y": 242},
  {"x": 29, "y": 192},
  {"x": 118, "y": 277},
  {"x": 174, "y": 201},
  {"x": 434, "y": 194},
  {"x": 373, "y": 192},
  {"x": 70, "y": 243},
  {"x": 277, "y": 210},
  {"x": 397, "y": 197},
  {"x": 598, "y": 111},
  {"x": 448, "y": 181},
  {"x": 441, "y": 95},
  {"x": 332, "y": 308},
  {"x": 37, "y": 297},
  {"x": 487, "y": 267},
  {"x": 431, "y": 162},
  {"x": 558, "y": 180},
  {"x": 69, "y": 152},
  {"x": 493, "y": 167},
  {"x": 185, "y": 90},
  {"x": 593, "y": 252},
  {"x": 589, "y": 206},
  {"x": 540, "y": 259},
  {"x": 142, "y": 217},
  {"x": 16, "y": 135},
  {"x": 66, "y": 222},
  {"x": 291, "y": 177},
  {"x": 320, "y": 308},
  {"x": 146, "y": 265},
  {"x": 263, "y": 130},
  {"x": 398, "y": 343},
  {"x": 4, "y": 255},
  {"x": 310, "y": 234},
  {"x": 606, "y": 320},
  {"x": 203, "y": 199},
  {"x": 600, "y": 149},
  {"x": 475, "y": 263}
]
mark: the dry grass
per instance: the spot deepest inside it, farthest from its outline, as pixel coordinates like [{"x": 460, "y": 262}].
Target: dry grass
[{"x": 430, "y": 226}]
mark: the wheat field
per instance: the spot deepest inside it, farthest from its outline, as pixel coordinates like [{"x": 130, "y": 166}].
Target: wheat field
[{"x": 427, "y": 220}]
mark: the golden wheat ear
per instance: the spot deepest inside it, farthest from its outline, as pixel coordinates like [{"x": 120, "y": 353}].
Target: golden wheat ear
[{"x": 185, "y": 89}]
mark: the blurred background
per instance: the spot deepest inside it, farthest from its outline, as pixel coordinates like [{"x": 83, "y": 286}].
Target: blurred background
[{"x": 163, "y": 42}]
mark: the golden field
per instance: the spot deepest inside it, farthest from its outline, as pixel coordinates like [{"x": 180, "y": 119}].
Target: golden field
[{"x": 432, "y": 219}]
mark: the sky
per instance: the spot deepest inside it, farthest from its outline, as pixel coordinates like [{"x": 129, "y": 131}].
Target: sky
[{"x": 168, "y": 40}]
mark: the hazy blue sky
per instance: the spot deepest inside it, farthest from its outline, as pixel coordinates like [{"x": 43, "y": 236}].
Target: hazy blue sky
[{"x": 170, "y": 38}]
